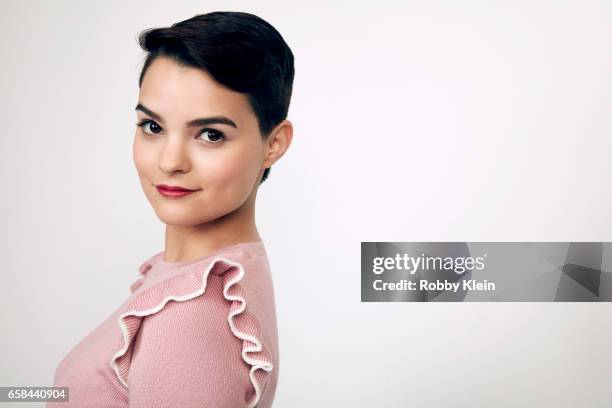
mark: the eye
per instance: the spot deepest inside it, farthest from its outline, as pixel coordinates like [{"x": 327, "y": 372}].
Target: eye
[
  {"x": 214, "y": 136},
  {"x": 154, "y": 127}
]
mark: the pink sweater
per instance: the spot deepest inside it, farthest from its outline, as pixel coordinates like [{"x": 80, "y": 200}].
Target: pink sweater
[{"x": 196, "y": 333}]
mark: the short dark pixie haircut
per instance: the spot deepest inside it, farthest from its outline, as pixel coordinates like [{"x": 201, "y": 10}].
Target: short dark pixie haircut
[{"x": 240, "y": 50}]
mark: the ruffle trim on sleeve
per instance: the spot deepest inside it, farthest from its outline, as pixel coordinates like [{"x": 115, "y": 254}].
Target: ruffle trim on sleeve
[{"x": 243, "y": 324}]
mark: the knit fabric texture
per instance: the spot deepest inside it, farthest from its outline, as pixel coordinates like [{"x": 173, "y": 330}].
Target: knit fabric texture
[{"x": 198, "y": 333}]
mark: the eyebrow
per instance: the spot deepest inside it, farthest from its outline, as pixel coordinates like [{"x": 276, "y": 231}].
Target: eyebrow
[{"x": 223, "y": 120}]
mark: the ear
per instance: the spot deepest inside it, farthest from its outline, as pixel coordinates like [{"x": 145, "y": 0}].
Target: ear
[{"x": 278, "y": 142}]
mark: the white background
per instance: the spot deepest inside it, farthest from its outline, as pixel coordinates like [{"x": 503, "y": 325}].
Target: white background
[{"x": 425, "y": 121}]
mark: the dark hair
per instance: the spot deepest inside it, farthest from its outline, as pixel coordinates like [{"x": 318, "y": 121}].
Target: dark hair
[{"x": 240, "y": 50}]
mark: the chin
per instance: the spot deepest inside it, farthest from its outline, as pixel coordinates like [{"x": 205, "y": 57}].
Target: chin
[{"x": 187, "y": 216}]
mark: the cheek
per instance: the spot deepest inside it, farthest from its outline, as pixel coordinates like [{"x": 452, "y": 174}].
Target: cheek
[
  {"x": 231, "y": 174},
  {"x": 142, "y": 158}
]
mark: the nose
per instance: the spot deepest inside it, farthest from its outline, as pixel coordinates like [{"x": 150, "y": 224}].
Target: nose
[{"x": 174, "y": 155}]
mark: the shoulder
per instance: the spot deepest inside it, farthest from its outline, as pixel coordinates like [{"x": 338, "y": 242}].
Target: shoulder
[
  {"x": 197, "y": 313},
  {"x": 198, "y": 324}
]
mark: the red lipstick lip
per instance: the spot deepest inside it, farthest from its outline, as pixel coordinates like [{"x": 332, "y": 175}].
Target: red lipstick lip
[
  {"x": 173, "y": 192},
  {"x": 172, "y": 188}
]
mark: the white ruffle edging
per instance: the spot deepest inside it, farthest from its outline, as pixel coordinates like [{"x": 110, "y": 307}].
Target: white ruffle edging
[{"x": 190, "y": 285}]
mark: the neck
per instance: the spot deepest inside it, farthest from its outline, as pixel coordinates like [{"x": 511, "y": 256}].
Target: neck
[{"x": 184, "y": 243}]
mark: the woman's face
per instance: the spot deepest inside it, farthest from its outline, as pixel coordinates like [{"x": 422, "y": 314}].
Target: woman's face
[{"x": 222, "y": 162}]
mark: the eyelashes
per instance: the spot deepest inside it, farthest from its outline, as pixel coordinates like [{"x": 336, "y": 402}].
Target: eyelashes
[
  {"x": 147, "y": 126},
  {"x": 143, "y": 123}
]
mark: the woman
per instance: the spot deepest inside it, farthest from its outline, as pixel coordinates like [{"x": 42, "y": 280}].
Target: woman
[{"x": 199, "y": 328}]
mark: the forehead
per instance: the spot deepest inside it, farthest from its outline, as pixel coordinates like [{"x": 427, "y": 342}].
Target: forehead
[{"x": 180, "y": 92}]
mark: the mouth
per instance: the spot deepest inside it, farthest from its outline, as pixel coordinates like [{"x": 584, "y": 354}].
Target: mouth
[{"x": 173, "y": 191}]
